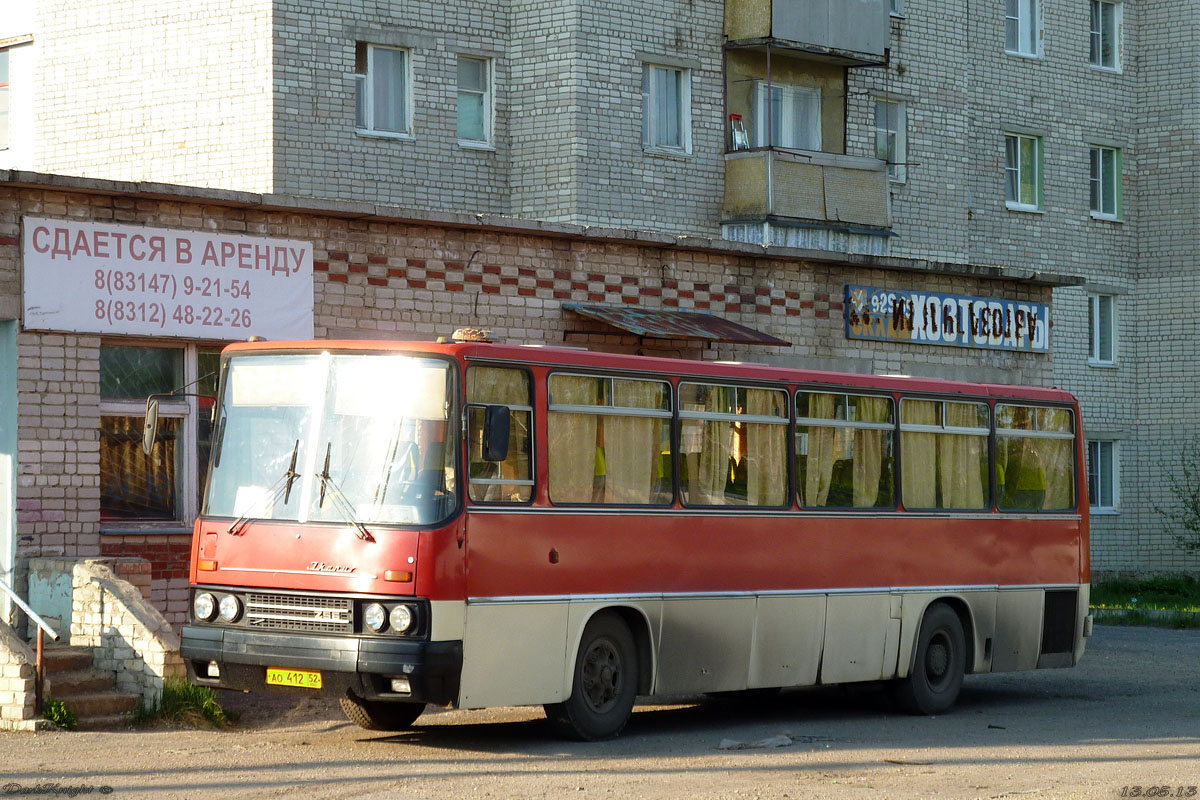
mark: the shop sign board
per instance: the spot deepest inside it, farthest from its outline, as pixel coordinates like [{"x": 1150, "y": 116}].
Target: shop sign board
[
  {"x": 108, "y": 278},
  {"x": 912, "y": 315}
]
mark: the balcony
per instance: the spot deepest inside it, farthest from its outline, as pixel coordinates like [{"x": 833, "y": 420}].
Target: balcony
[
  {"x": 809, "y": 199},
  {"x": 852, "y": 33}
]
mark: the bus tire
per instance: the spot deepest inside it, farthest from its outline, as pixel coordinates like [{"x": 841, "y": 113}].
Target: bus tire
[
  {"x": 375, "y": 715},
  {"x": 933, "y": 684},
  {"x": 604, "y": 684}
]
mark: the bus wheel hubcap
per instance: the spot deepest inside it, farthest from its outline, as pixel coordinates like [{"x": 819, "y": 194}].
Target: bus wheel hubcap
[
  {"x": 601, "y": 675},
  {"x": 937, "y": 659}
]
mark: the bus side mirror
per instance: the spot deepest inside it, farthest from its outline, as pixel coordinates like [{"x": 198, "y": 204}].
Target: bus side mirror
[
  {"x": 495, "y": 432},
  {"x": 150, "y": 427}
]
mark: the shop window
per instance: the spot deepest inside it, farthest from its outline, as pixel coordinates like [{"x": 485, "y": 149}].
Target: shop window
[{"x": 164, "y": 486}]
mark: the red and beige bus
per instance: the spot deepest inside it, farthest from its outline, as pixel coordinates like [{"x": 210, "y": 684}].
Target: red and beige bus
[{"x": 478, "y": 524}]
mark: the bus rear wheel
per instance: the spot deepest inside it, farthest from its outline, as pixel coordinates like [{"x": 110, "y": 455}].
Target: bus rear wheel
[
  {"x": 375, "y": 715},
  {"x": 936, "y": 677},
  {"x": 604, "y": 684}
]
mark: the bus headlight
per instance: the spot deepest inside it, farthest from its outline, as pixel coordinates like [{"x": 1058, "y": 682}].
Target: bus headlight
[
  {"x": 231, "y": 608},
  {"x": 401, "y": 618},
  {"x": 375, "y": 617},
  {"x": 204, "y": 605}
]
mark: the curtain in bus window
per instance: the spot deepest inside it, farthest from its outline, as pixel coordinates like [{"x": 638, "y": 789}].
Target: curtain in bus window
[
  {"x": 766, "y": 472},
  {"x": 962, "y": 460},
  {"x": 818, "y": 467},
  {"x": 632, "y": 445},
  {"x": 577, "y": 464},
  {"x": 919, "y": 454},
  {"x": 712, "y": 464},
  {"x": 1060, "y": 474},
  {"x": 870, "y": 450}
]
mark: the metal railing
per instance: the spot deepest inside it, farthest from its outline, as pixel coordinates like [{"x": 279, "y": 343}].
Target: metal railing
[{"x": 43, "y": 629}]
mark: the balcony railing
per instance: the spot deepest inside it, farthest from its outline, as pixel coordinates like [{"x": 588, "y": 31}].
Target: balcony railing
[{"x": 765, "y": 184}]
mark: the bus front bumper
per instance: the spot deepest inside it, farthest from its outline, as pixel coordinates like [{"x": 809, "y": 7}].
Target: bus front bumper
[{"x": 365, "y": 666}]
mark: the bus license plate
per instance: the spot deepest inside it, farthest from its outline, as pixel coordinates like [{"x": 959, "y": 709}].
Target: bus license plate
[{"x": 304, "y": 678}]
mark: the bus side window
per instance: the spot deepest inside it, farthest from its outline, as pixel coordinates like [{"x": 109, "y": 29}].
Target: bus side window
[{"x": 511, "y": 480}]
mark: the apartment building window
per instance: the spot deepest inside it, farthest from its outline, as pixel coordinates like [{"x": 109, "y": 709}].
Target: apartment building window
[
  {"x": 165, "y": 486},
  {"x": 1023, "y": 172},
  {"x": 1106, "y": 34},
  {"x": 474, "y": 100},
  {"x": 891, "y": 143},
  {"x": 1102, "y": 475},
  {"x": 897, "y": 8},
  {"x": 666, "y": 109},
  {"x": 1023, "y": 27},
  {"x": 382, "y": 90},
  {"x": 1105, "y": 182},
  {"x": 1102, "y": 329},
  {"x": 3, "y": 99},
  {"x": 787, "y": 116}
]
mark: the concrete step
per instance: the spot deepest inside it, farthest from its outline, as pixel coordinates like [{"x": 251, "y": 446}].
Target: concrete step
[
  {"x": 67, "y": 659},
  {"x": 104, "y": 722},
  {"x": 90, "y": 705},
  {"x": 64, "y": 685}
]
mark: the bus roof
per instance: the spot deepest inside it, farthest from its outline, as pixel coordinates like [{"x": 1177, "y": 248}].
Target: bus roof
[{"x": 549, "y": 355}]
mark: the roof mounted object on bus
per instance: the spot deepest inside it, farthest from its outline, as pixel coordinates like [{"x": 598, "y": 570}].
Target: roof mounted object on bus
[
  {"x": 472, "y": 335},
  {"x": 257, "y": 339}
]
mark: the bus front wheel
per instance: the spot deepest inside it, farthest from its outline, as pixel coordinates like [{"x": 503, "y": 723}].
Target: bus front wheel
[
  {"x": 604, "y": 685},
  {"x": 933, "y": 682},
  {"x": 375, "y": 715}
]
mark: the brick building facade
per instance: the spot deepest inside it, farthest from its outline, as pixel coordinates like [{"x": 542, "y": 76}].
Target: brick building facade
[{"x": 528, "y": 155}]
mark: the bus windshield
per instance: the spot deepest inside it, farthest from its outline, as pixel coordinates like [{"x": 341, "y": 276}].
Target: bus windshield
[{"x": 348, "y": 438}]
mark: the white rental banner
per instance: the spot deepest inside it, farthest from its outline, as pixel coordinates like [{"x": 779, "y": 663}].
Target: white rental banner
[{"x": 106, "y": 278}]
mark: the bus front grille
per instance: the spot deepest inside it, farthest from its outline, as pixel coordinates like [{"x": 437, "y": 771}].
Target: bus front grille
[{"x": 299, "y": 613}]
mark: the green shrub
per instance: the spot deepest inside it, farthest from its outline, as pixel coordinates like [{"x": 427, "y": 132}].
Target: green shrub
[
  {"x": 181, "y": 701},
  {"x": 59, "y": 713}
]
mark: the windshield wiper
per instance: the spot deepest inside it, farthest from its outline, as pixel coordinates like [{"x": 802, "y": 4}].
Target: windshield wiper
[
  {"x": 339, "y": 499},
  {"x": 282, "y": 486}
]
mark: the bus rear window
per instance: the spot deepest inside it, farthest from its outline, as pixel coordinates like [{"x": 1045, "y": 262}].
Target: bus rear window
[{"x": 1035, "y": 458}]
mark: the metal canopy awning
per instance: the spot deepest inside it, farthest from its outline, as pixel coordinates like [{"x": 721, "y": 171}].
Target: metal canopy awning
[{"x": 659, "y": 323}]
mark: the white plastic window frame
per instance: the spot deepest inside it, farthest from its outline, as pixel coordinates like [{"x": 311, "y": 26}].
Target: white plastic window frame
[
  {"x": 650, "y": 121},
  {"x": 1112, "y": 466},
  {"x": 1096, "y": 34},
  {"x": 488, "y": 141},
  {"x": 789, "y": 94},
  {"x": 1016, "y": 204},
  {"x": 364, "y": 89},
  {"x": 1027, "y": 20},
  {"x": 894, "y": 130},
  {"x": 1101, "y": 176},
  {"x": 1098, "y": 320}
]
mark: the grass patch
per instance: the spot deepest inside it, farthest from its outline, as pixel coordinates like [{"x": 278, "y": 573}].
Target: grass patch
[
  {"x": 1161, "y": 619},
  {"x": 60, "y": 714},
  {"x": 1171, "y": 593},
  {"x": 184, "y": 702}
]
